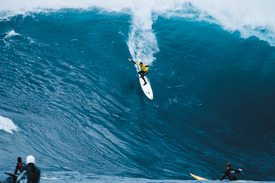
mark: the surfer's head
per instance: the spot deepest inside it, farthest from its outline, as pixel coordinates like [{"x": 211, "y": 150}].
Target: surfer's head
[
  {"x": 141, "y": 63},
  {"x": 19, "y": 159},
  {"x": 30, "y": 159}
]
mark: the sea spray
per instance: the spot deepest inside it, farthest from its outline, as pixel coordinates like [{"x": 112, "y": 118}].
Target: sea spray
[
  {"x": 7, "y": 125},
  {"x": 142, "y": 41}
]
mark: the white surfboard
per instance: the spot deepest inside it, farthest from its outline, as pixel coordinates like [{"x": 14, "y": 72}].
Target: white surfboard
[{"x": 147, "y": 89}]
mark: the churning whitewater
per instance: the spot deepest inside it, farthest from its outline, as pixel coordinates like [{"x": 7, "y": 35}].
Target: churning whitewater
[{"x": 70, "y": 97}]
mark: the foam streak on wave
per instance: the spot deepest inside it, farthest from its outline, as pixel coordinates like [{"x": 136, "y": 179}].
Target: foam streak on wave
[
  {"x": 142, "y": 42},
  {"x": 7, "y": 125},
  {"x": 10, "y": 34}
]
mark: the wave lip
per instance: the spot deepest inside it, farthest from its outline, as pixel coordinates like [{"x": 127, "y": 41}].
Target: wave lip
[
  {"x": 250, "y": 18},
  {"x": 7, "y": 125}
]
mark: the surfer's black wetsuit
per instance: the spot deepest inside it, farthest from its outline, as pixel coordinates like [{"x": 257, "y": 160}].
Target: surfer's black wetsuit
[
  {"x": 142, "y": 74},
  {"x": 19, "y": 167},
  {"x": 33, "y": 173},
  {"x": 231, "y": 174}
]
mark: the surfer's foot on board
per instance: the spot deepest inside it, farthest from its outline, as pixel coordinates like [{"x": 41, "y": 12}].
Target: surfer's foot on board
[{"x": 145, "y": 82}]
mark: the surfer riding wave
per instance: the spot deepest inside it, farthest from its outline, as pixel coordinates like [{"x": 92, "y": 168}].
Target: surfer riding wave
[{"x": 144, "y": 69}]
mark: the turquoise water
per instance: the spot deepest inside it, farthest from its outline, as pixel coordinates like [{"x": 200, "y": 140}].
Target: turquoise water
[{"x": 66, "y": 83}]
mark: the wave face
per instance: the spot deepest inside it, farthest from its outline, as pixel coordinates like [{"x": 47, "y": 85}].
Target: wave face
[{"x": 68, "y": 86}]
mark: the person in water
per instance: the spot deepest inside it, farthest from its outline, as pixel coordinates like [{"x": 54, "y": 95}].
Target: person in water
[
  {"x": 13, "y": 176},
  {"x": 19, "y": 166},
  {"x": 32, "y": 171},
  {"x": 231, "y": 173},
  {"x": 144, "y": 69}
]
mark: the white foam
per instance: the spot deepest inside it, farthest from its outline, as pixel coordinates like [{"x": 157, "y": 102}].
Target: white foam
[
  {"x": 250, "y": 17},
  {"x": 142, "y": 41},
  {"x": 7, "y": 125},
  {"x": 11, "y": 34}
]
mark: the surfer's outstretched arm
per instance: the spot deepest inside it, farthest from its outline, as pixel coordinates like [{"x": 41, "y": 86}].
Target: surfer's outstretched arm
[{"x": 130, "y": 60}]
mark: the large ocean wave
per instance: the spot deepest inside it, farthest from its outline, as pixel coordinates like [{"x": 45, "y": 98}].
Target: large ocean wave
[{"x": 67, "y": 84}]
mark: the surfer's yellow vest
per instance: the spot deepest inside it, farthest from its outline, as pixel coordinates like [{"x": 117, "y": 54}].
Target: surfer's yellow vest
[{"x": 142, "y": 66}]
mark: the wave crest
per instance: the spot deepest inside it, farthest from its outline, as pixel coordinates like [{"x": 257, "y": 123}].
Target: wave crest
[{"x": 247, "y": 17}]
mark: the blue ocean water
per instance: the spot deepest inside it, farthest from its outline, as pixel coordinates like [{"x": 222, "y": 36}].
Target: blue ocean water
[{"x": 66, "y": 83}]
